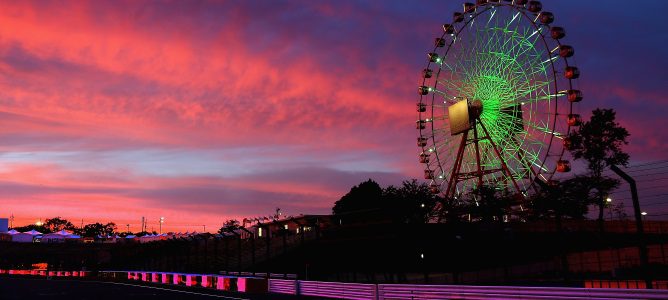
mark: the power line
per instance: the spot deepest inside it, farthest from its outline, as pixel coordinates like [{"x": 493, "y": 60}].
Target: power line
[
  {"x": 650, "y": 174},
  {"x": 650, "y": 163},
  {"x": 655, "y": 204},
  {"x": 642, "y": 189},
  {"x": 648, "y": 169},
  {"x": 644, "y": 197}
]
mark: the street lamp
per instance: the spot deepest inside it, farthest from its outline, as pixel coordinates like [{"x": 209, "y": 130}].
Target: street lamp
[
  {"x": 162, "y": 220},
  {"x": 608, "y": 200}
]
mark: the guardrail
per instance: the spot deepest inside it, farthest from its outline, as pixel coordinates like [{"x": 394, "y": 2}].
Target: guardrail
[
  {"x": 281, "y": 286},
  {"x": 338, "y": 290},
  {"x": 398, "y": 291}
]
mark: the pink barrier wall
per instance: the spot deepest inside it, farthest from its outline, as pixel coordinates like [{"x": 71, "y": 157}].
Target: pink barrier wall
[
  {"x": 191, "y": 280},
  {"x": 241, "y": 284},
  {"x": 206, "y": 281},
  {"x": 223, "y": 283},
  {"x": 176, "y": 279},
  {"x": 47, "y": 273}
]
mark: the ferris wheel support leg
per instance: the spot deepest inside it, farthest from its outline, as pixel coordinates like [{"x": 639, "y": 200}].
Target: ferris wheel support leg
[
  {"x": 504, "y": 167},
  {"x": 477, "y": 154},
  {"x": 452, "y": 183}
]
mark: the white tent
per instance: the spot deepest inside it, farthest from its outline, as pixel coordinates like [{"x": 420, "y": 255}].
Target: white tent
[
  {"x": 56, "y": 237},
  {"x": 22, "y": 237},
  {"x": 13, "y": 232},
  {"x": 33, "y": 232}
]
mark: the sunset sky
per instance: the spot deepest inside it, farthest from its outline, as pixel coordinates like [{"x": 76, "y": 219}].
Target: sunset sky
[{"x": 200, "y": 111}]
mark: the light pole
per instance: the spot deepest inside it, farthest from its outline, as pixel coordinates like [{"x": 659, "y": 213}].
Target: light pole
[
  {"x": 642, "y": 243},
  {"x": 162, "y": 220}
]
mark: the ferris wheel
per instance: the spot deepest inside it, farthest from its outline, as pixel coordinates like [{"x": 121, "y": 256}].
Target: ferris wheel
[{"x": 497, "y": 99}]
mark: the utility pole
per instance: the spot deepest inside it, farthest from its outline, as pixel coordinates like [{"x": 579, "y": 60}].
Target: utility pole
[
  {"x": 11, "y": 221},
  {"x": 128, "y": 225},
  {"x": 142, "y": 224}
]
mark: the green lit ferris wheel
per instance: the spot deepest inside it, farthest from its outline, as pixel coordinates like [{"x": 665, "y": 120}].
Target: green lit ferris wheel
[{"x": 497, "y": 99}]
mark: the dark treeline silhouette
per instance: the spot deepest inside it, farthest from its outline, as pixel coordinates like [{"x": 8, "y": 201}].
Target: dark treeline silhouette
[
  {"x": 89, "y": 230},
  {"x": 412, "y": 202}
]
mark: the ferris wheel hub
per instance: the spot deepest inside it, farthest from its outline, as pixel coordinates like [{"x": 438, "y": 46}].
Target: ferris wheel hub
[{"x": 475, "y": 109}]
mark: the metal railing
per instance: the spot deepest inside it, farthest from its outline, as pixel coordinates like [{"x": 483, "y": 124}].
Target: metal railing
[
  {"x": 337, "y": 290},
  {"x": 281, "y": 286}
]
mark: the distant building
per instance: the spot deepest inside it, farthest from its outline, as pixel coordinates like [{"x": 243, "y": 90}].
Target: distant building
[
  {"x": 291, "y": 226},
  {"x": 4, "y": 222}
]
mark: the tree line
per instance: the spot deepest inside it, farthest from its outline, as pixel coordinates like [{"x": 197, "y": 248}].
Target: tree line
[{"x": 57, "y": 224}]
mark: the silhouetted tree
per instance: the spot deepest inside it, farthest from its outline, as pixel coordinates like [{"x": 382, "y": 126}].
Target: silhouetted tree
[
  {"x": 562, "y": 199},
  {"x": 619, "y": 211},
  {"x": 487, "y": 204},
  {"x": 92, "y": 230},
  {"x": 58, "y": 224},
  {"x": 95, "y": 229},
  {"x": 413, "y": 202},
  {"x": 599, "y": 142},
  {"x": 30, "y": 227},
  {"x": 452, "y": 210},
  {"x": 109, "y": 228},
  {"x": 365, "y": 196},
  {"x": 229, "y": 226}
]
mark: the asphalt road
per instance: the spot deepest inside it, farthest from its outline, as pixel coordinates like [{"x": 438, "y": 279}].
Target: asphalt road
[{"x": 37, "y": 288}]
